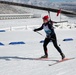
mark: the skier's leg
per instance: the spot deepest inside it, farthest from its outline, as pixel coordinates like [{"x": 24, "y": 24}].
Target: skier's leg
[
  {"x": 57, "y": 47},
  {"x": 46, "y": 41}
]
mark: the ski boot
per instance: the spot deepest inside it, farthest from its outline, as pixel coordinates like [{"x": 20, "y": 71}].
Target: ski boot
[
  {"x": 63, "y": 56},
  {"x": 45, "y": 56}
]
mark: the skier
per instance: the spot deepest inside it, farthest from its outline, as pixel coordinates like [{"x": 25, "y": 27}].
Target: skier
[{"x": 50, "y": 35}]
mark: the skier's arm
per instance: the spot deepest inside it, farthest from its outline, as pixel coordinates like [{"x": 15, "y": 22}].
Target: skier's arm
[{"x": 38, "y": 29}]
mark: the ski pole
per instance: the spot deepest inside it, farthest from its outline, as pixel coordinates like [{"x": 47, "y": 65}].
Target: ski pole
[
  {"x": 43, "y": 35},
  {"x": 40, "y": 33}
]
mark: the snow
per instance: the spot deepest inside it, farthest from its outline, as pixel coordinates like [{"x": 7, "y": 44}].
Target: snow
[{"x": 17, "y": 59}]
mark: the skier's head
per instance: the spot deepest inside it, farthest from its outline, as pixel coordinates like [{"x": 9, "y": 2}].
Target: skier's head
[{"x": 45, "y": 19}]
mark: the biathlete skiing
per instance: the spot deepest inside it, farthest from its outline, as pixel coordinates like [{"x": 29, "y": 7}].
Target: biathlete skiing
[{"x": 50, "y": 36}]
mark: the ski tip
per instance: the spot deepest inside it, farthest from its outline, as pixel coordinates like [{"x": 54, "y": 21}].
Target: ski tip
[{"x": 65, "y": 59}]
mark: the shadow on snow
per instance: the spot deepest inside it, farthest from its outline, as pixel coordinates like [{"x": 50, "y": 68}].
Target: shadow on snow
[{"x": 9, "y": 58}]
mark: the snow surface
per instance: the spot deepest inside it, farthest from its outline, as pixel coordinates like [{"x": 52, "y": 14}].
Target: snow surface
[{"x": 17, "y": 59}]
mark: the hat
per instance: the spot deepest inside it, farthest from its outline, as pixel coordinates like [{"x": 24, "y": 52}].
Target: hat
[{"x": 45, "y": 17}]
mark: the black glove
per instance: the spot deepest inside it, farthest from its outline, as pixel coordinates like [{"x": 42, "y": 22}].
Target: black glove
[{"x": 35, "y": 30}]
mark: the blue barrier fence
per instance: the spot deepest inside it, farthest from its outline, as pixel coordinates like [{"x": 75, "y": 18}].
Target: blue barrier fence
[
  {"x": 68, "y": 39},
  {"x": 2, "y": 30},
  {"x": 1, "y": 44},
  {"x": 16, "y": 43},
  {"x": 42, "y": 41}
]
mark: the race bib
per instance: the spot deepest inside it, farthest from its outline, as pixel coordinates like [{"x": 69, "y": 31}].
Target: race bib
[{"x": 46, "y": 29}]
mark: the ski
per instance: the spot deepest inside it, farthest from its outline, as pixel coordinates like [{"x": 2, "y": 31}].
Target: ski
[
  {"x": 59, "y": 61},
  {"x": 46, "y": 59}
]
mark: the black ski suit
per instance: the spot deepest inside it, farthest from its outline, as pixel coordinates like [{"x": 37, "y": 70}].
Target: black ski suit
[{"x": 50, "y": 36}]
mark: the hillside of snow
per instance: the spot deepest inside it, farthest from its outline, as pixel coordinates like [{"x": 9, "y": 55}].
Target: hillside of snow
[{"x": 19, "y": 59}]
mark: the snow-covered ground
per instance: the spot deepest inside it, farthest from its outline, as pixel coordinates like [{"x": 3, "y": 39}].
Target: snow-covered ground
[{"x": 17, "y": 59}]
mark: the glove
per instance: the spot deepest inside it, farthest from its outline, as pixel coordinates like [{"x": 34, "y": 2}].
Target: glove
[{"x": 35, "y": 30}]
